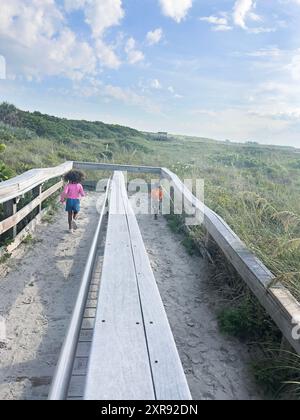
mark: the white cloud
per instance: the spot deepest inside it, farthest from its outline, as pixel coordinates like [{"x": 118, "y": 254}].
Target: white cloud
[
  {"x": 155, "y": 84},
  {"x": 99, "y": 14},
  {"x": 38, "y": 43},
  {"x": 130, "y": 97},
  {"x": 243, "y": 12},
  {"x": 134, "y": 55},
  {"x": 242, "y": 8},
  {"x": 28, "y": 23},
  {"x": 176, "y": 9},
  {"x": 222, "y": 28},
  {"x": 261, "y": 30},
  {"x": 215, "y": 20},
  {"x": 272, "y": 52},
  {"x": 107, "y": 55},
  {"x": 219, "y": 23},
  {"x": 154, "y": 37}
]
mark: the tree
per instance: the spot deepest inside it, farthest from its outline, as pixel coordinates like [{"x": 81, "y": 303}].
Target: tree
[{"x": 9, "y": 114}]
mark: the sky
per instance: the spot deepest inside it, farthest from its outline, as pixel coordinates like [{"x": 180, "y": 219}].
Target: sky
[{"x": 223, "y": 69}]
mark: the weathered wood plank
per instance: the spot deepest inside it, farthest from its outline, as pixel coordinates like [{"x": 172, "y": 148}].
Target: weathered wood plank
[
  {"x": 76, "y": 389},
  {"x": 168, "y": 375},
  {"x": 88, "y": 323},
  {"x": 86, "y": 335},
  {"x": 90, "y": 313},
  {"x": 91, "y": 166},
  {"x": 94, "y": 288},
  {"x": 83, "y": 349},
  {"x": 93, "y": 296},
  {"x": 119, "y": 363},
  {"x": 92, "y": 303},
  {"x": 80, "y": 366},
  {"x": 13, "y": 220},
  {"x": 23, "y": 183}
]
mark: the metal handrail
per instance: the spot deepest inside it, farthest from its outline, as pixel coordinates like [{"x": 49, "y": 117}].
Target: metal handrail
[{"x": 61, "y": 379}]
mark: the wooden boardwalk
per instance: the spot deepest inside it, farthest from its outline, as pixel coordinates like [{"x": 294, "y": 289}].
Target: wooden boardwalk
[{"x": 133, "y": 354}]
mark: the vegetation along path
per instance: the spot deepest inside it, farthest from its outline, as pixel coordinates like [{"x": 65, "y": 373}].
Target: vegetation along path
[{"x": 38, "y": 291}]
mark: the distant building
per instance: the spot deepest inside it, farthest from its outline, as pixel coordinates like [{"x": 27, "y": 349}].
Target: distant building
[{"x": 162, "y": 135}]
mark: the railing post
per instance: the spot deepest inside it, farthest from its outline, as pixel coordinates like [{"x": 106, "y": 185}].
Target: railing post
[
  {"x": 10, "y": 209},
  {"x": 37, "y": 192}
]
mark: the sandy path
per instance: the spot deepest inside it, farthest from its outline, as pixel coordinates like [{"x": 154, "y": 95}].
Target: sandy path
[
  {"x": 36, "y": 299},
  {"x": 217, "y": 367}
]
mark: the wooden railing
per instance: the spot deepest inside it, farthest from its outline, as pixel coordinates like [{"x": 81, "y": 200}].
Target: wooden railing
[
  {"x": 13, "y": 190},
  {"x": 276, "y": 299}
]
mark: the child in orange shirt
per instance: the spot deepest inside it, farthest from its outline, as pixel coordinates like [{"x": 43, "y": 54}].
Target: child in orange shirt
[{"x": 156, "y": 199}]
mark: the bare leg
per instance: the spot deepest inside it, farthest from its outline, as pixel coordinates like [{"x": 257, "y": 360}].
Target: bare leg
[
  {"x": 70, "y": 218},
  {"x": 74, "y": 224},
  {"x": 155, "y": 209}
]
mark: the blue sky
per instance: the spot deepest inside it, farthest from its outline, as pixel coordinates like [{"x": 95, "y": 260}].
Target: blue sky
[{"x": 225, "y": 69}]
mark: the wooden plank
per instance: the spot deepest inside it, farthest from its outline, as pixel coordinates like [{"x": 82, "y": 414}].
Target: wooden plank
[
  {"x": 91, "y": 166},
  {"x": 83, "y": 349},
  {"x": 119, "y": 363},
  {"x": 92, "y": 303},
  {"x": 80, "y": 366},
  {"x": 255, "y": 274},
  {"x": 13, "y": 220},
  {"x": 94, "y": 288},
  {"x": 21, "y": 184},
  {"x": 93, "y": 296},
  {"x": 86, "y": 335},
  {"x": 90, "y": 313},
  {"x": 88, "y": 323},
  {"x": 168, "y": 375},
  {"x": 76, "y": 389}
]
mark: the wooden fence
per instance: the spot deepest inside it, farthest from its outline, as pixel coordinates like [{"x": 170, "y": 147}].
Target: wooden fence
[{"x": 13, "y": 190}]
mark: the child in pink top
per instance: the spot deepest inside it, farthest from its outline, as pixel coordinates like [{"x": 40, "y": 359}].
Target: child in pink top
[{"x": 72, "y": 194}]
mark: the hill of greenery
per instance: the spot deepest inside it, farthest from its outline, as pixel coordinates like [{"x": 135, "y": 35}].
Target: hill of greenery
[{"x": 35, "y": 139}]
